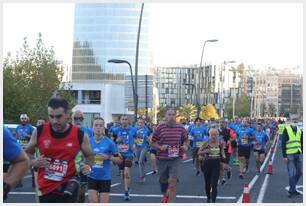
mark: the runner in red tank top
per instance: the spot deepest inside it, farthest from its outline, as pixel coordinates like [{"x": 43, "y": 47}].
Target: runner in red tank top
[{"x": 58, "y": 143}]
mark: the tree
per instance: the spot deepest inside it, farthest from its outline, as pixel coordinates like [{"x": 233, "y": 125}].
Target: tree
[
  {"x": 161, "y": 112},
  {"x": 29, "y": 81},
  {"x": 229, "y": 108},
  {"x": 243, "y": 106},
  {"x": 187, "y": 111},
  {"x": 208, "y": 112}
]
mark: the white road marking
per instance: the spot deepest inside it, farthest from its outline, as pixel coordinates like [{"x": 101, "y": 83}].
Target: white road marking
[
  {"x": 116, "y": 184},
  {"x": 265, "y": 183},
  {"x": 187, "y": 160},
  {"x": 253, "y": 181},
  {"x": 27, "y": 176},
  {"x": 142, "y": 195},
  {"x": 297, "y": 187}
]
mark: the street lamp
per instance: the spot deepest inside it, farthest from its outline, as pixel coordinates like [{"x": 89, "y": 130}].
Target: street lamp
[
  {"x": 119, "y": 61},
  {"x": 222, "y": 91},
  {"x": 199, "y": 76}
]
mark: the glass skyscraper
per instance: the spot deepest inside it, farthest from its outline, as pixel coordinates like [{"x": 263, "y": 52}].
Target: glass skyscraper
[{"x": 104, "y": 31}]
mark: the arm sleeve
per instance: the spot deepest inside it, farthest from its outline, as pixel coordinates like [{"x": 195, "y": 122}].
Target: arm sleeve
[
  {"x": 11, "y": 148},
  {"x": 284, "y": 140}
]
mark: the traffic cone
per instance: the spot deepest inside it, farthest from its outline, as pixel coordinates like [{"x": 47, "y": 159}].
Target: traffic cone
[
  {"x": 184, "y": 156},
  {"x": 270, "y": 167},
  {"x": 246, "y": 195}
]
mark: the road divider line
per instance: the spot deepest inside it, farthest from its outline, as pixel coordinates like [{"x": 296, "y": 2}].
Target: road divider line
[
  {"x": 187, "y": 160},
  {"x": 265, "y": 183},
  {"x": 116, "y": 184},
  {"x": 255, "y": 178},
  {"x": 143, "y": 195}
]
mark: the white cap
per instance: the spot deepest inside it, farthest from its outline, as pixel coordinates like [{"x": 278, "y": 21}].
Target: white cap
[{"x": 24, "y": 116}]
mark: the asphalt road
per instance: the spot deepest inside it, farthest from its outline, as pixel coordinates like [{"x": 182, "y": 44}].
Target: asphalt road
[{"x": 191, "y": 187}]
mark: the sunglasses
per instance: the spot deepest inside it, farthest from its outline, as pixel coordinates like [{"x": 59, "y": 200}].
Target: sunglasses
[
  {"x": 56, "y": 116},
  {"x": 78, "y": 118}
]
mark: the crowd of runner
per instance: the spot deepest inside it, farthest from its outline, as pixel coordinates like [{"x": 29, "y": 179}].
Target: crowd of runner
[{"x": 68, "y": 159}]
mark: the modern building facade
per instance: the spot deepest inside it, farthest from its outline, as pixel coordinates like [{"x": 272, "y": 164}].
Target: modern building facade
[
  {"x": 175, "y": 85},
  {"x": 290, "y": 101},
  {"x": 110, "y": 30},
  {"x": 104, "y": 31}
]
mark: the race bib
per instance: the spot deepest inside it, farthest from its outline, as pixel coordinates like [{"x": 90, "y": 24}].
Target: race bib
[
  {"x": 23, "y": 142},
  {"x": 139, "y": 141},
  {"x": 173, "y": 151},
  {"x": 98, "y": 162},
  {"x": 214, "y": 152},
  {"x": 56, "y": 169},
  {"x": 123, "y": 147},
  {"x": 244, "y": 140},
  {"x": 199, "y": 144},
  {"x": 257, "y": 146}
]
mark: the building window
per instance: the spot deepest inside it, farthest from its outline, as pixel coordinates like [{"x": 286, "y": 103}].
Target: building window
[
  {"x": 91, "y": 97},
  {"x": 88, "y": 119},
  {"x": 74, "y": 95}
]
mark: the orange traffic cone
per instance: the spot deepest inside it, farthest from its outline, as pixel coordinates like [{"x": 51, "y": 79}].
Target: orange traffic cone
[
  {"x": 270, "y": 167},
  {"x": 184, "y": 156},
  {"x": 246, "y": 195}
]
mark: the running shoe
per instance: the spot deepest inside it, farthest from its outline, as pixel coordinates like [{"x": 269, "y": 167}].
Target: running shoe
[
  {"x": 164, "y": 199},
  {"x": 241, "y": 176},
  {"x": 235, "y": 162},
  {"x": 127, "y": 196},
  {"x": 223, "y": 182},
  {"x": 198, "y": 173},
  {"x": 142, "y": 179},
  {"x": 229, "y": 174}
]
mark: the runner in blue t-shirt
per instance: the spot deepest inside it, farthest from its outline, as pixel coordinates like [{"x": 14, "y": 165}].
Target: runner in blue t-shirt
[
  {"x": 105, "y": 150},
  {"x": 198, "y": 134},
  {"x": 245, "y": 136},
  {"x": 24, "y": 130},
  {"x": 125, "y": 142},
  {"x": 13, "y": 153},
  {"x": 141, "y": 147},
  {"x": 260, "y": 145},
  {"x": 78, "y": 120}
]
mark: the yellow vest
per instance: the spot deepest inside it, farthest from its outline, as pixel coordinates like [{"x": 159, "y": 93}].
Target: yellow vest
[
  {"x": 293, "y": 145},
  {"x": 281, "y": 128}
]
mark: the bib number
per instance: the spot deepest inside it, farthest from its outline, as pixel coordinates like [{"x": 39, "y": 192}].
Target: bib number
[
  {"x": 139, "y": 141},
  {"x": 173, "y": 151},
  {"x": 56, "y": 169},
  {"x": 244, "y": 140},
  {"x": 23, "y": 142},
  {"x": 257, "y": 146},
  {"x": 123, "y": 147},
  {"x": 98, "y": 162},
  {"x": 199, "y": 144}
]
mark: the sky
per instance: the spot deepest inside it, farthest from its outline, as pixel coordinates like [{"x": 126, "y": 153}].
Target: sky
[{"x": 261, "y": 35}]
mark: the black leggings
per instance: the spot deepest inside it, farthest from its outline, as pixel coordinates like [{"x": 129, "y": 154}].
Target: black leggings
[{"x": 211, "y": 171}]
